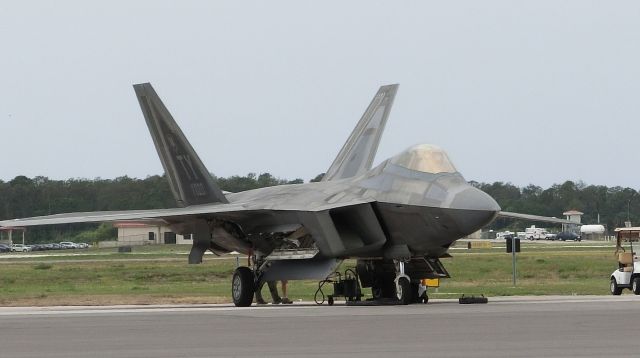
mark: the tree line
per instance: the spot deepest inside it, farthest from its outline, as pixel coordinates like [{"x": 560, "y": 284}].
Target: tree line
[
  {"x": 26, "y": 197},
  {"x": 611, "y": 205}
]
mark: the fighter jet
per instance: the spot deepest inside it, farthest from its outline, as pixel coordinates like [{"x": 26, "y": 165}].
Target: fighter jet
[{"x": 397, "y": 219}]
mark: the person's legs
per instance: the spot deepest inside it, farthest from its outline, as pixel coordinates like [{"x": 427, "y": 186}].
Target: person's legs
[
  {"x": 259, "y": 299},
  {"x": 273, "y": 288},
  {"x": 285, "y": 298}
]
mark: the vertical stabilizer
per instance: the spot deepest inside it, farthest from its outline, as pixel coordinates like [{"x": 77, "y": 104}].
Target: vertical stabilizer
[
  {"x": 357, "y": 154},
  {"x": 190, "y": 181}
]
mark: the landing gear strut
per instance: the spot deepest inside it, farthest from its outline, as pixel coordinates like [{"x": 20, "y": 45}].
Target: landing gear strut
[{"x": 403, "y": 285}]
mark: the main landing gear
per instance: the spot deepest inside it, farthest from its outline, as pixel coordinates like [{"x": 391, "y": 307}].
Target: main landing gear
[{"x": 243, "y": 287}]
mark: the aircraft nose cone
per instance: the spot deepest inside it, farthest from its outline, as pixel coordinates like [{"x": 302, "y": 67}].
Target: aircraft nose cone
[
  {"x": 473, "y": 209},
  {"x": 472, "y": 198}
]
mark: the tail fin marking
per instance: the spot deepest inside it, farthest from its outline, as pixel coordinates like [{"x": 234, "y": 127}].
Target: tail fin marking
[
  {"x": 190, "y": 181},
  {"x": 357, "y": 154}
]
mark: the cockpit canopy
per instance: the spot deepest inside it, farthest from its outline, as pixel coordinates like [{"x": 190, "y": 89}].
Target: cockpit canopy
[{"x": 425, "y": 158}]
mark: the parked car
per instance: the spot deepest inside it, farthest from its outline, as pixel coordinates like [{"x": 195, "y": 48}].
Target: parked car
[
  {"x": 20, "y": 248},
  {"x": 37, "y": 247},
  {"x": 55, "y": 246},
  {"x": 5, "y": 248},
  {"x": 68, "y": 245},
  {"x": 568, "y": 235},
  {"x": 551, "y": 236}
]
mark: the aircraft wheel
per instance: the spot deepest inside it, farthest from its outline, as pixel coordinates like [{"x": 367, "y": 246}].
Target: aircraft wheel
[
  {"x": 635, "y": 285},
  {"x": 615, "y": 289},
  {"x": 382, "y": 288},
  {"x": 403, "y": 291},
  {"x": 376, "y": 292},
  {"x": 242, "y": 287}
]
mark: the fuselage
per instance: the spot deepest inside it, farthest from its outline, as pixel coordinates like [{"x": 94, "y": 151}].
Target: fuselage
[{"x": 418, "y": 197}]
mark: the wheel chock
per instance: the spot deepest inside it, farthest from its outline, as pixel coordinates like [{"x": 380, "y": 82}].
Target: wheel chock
[{"x": 467, "y": 300}]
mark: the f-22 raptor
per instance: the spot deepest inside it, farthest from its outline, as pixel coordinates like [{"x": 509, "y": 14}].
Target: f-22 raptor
[{"x": 397, "y": 219}]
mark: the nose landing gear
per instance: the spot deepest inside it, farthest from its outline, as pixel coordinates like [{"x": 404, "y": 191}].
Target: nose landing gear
[
  {"x": 400, "y": 281},
  {"x": 404, "y": 293}
]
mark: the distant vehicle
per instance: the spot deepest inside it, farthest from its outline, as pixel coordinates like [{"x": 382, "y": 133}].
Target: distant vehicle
[
  {"x": 504, "y": 235},
  {"x": 20, "y": 248},
  {"x": 83, "y": 245},
  {"x": 535, "y": 233},
  {"x": 37, "y": 247},
  {"x": 55, "y": 246},
  {"x": 568, "y": 235},
  {"x": 5, "y": 248},
  {"x": 551, "y": 236},
  {"x": 68, "y": 245},
  {"x": 628, "y": 273},
  {"x": 592, "y": 229},
  {"x": 48, "y": 246}
]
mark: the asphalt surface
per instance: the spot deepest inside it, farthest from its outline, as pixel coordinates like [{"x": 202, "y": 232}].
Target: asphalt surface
[{"x": 594, "y": 326}]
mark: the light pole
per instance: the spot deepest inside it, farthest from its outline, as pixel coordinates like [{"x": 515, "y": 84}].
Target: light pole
[{"x": 628, "y": 223}]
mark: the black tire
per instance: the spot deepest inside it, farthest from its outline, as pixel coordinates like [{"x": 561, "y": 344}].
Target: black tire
[
  {"x": 403, "y": 293},
  {"x": 383, "y": 288},
  {"x": 635, "y": 285},
  {"x": 330, "y": 300},
  {"x": 376, "y": 292},
  {"x": 425, "y": 299},
  {"x": 242, "y": 287},
  {"x": 615, "y": 289}
]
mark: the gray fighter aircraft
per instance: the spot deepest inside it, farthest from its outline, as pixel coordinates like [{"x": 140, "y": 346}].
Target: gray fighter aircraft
[{"x": 397, "y": 219}]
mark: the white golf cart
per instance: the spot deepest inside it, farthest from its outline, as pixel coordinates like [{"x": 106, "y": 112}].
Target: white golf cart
[{"x": 628, "y": 273}]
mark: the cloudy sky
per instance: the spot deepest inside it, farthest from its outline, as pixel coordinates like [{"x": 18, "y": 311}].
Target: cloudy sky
[{"x": 524, "y": 92}]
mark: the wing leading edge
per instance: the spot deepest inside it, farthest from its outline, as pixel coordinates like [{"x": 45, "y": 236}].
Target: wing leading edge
[
  {"x": 510, "y": 215},
  {"x": 181, "y": 214}
]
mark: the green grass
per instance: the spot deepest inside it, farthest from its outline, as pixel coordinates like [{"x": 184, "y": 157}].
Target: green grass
[
  {"x": 563, "y": 272},
  {"x": 116, "y": 280},
  {"x": 164, "y": 276}
]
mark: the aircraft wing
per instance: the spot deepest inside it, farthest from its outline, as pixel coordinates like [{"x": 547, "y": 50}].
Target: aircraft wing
[
  {"x": 357, "y": 154},
  {"x": 506, "y": 214},
  {"x": 233, "y": 210}
]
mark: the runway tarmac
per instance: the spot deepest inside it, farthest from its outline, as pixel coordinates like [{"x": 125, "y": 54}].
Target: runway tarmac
[{"x": 584, "y": 326}]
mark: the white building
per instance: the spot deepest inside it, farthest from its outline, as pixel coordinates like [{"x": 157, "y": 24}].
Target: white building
[
  {"x": 576, "y": 217},
  {"x": 147, "y": 232}
]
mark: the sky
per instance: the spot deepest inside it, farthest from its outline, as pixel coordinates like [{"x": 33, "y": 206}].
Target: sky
[{"x": 527, "y": 92}]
